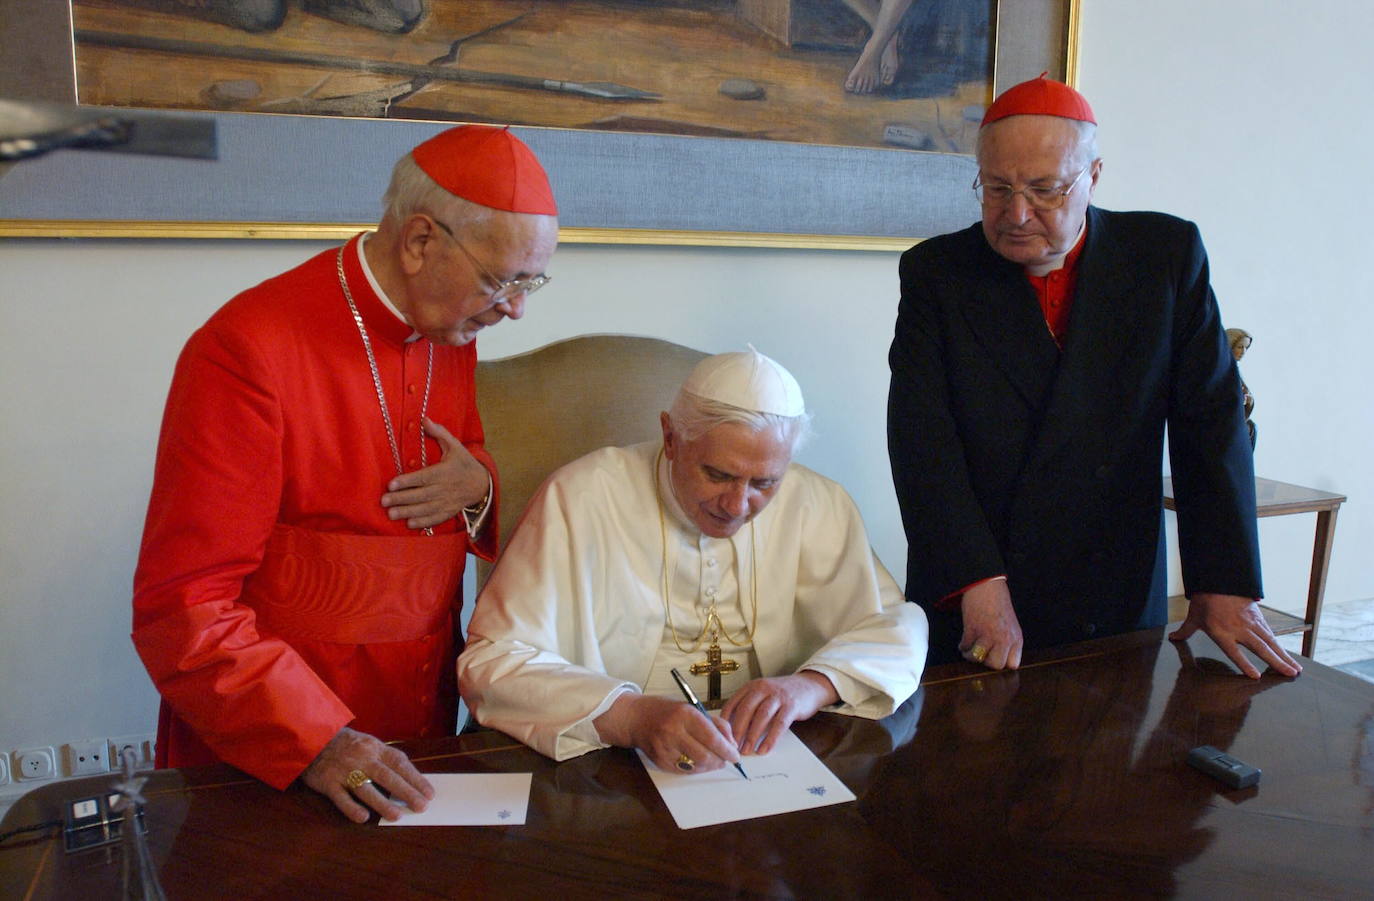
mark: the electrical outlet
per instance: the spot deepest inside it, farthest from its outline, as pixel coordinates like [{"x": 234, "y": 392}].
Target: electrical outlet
[
  {"x": 4, "y": 769},
  {"x": 34, "y": 764},
  {"x": 86, "y": 758},
  {"x": 141, "y": 745}
]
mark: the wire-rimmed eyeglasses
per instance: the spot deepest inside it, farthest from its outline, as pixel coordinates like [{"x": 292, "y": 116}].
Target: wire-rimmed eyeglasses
[
  {"x": 1038, "y": 197},
  {"x": 504, "y": 290}
]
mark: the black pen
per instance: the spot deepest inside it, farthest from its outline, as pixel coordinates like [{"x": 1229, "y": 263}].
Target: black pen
[{"x": 692, "y": 699}]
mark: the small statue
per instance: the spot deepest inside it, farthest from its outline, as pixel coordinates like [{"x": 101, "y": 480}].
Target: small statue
[
  {"x": 140, "y": 873},
  {"x": 1240, "y": 341}
]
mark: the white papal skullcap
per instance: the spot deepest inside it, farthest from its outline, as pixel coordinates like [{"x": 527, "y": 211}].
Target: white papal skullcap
[{"x": 748, "y": 380}]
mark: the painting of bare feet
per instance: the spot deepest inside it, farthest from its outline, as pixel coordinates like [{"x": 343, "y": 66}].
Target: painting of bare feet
[{"x": 907, "y": 74}]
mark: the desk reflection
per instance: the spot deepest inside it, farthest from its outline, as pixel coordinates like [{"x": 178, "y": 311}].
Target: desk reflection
[{"x": 1065, "y": 778}]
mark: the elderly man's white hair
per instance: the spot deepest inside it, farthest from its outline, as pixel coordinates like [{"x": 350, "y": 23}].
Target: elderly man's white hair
[
  {"x": 413, "y": 191},
  {"x": 694, "y": 416},
  {"x": 1085, "y": 151}
]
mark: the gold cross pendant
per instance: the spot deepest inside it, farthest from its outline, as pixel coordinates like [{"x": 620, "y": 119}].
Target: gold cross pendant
[{"x": 713, "y": 666}]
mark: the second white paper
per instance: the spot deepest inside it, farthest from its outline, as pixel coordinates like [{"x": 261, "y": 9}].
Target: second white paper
[
  {"x": 472, "y": 799},
  {"x": 788, "y": 778}
]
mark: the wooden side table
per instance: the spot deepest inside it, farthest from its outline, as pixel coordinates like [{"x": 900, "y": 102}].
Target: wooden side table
[{"x": 1280, "y": 499}]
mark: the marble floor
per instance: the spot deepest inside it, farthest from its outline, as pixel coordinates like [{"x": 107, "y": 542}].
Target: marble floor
[{"x": 1345, "y": 638}]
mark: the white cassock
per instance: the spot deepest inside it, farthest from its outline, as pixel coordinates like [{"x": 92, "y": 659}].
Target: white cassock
[{"x": 573, "y": 614}]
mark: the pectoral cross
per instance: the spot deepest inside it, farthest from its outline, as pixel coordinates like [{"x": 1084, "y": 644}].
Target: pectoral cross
[{"x": 713, "y": 666}]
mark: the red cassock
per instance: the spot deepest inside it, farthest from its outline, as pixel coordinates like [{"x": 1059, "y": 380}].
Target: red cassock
[{"x": 274, "y": 601}]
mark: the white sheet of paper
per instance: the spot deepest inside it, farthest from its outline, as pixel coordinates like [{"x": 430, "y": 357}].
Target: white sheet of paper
[
  {"x": 788, "y": 778},
  {"x": 472, "y": 799}
]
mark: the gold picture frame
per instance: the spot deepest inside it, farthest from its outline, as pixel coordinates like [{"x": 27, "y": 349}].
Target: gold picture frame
[{"x": 37, "y": 61}]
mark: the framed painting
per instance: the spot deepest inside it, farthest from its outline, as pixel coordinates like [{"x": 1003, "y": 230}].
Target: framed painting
[{"x": 816, "y": 123}]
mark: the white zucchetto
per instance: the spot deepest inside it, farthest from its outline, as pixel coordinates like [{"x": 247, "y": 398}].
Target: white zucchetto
[{"x": 747, "y": 380}]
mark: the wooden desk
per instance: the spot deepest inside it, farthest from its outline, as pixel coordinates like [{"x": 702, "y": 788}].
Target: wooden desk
[
  {"x": 1280, "y": 499},
  {"x": 1065, "y": 779}
]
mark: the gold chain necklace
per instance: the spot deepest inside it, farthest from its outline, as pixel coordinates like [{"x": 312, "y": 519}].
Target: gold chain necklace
[
  {"x": 377, "y": 379},
  {"x": 711, "y": 615}
]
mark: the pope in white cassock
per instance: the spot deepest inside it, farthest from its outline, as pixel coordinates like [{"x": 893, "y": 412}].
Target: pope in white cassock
[{"x": 711, "y": 553}]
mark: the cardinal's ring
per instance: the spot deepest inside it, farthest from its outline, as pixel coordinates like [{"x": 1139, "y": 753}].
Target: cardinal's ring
[
  {"x": 685, "y": 763},
  {"x": 356, "y": 779},
  {"x": 978, "y": 653}
]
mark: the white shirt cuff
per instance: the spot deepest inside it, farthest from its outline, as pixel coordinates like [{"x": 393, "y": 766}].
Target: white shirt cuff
[
  {"x": 476, "y": 519},
  {"x": 585, "y": 730}
]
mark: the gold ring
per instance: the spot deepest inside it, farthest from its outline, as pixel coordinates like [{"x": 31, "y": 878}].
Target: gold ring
[
  {"x": 685, "y": 763},
  {"x": 356, "y": 780},
  {"x": 978, "y": 653}
]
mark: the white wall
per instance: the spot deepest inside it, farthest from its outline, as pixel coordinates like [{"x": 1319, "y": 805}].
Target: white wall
[
  {"x": 1252, "y": 119},
  {"x": 1235, "y": 114}
]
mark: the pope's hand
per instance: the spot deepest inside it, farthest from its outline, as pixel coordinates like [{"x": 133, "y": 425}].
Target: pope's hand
[
  {"x": 439, "y": 492},
  {"x": 760, "y": 711},
  {"x": 665, "y": 730},
  {"x": 1234, "y": 622},
  {"x": 387, "y": 767},
  {"x": 990, "y": 623}
]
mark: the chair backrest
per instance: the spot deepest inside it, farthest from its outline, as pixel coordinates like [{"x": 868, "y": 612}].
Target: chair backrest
[{"x": 549, "y": 406}]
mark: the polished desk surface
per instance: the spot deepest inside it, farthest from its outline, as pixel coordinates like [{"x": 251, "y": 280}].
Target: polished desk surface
[{"x": 1066, "y": 778}]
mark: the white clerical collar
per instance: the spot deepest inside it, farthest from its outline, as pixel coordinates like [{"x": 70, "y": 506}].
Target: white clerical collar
[{"x": 377, "y": 288}]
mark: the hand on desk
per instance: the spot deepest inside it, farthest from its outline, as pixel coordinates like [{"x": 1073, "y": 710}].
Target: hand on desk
[
  {"x": 763, "y": 708},
  {"x": 665, "y": 729},
  {"x": 991, "y": 623},
  {"x": 1235, "y": 622},
  {"x": 386, "y": 766},
  {"x": 440, "y": 491}
]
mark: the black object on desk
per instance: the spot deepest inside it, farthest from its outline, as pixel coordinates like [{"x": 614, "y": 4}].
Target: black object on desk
[{"x": 1222, "y": 766}]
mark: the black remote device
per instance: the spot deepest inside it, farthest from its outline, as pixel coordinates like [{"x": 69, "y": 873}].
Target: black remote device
[{"x": 1222, "y": 766}]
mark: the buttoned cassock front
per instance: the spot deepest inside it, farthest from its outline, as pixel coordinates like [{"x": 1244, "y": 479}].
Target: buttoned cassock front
[
  {"x": 1010, "y": 458},
  {"x": 274, "y": 601},
  {"x": 573, "y": 611}
]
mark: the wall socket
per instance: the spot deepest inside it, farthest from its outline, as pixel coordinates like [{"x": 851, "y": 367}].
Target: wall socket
[
  {"x": 141, "y": 745},
  {"x": 86, "y": 758},
  {"x": 91, "y": 757},
  {"x": 34, "y": 764}
]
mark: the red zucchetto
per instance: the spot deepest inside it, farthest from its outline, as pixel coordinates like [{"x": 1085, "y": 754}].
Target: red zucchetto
[
  {"x": 1040, "y": 97},
  {"x": 488, "y": 166}
]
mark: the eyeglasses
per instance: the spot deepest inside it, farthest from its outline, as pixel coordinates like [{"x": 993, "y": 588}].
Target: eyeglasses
[
  {"x": 1038, "y": 197},
  {"x": 504, "y": 290}
]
